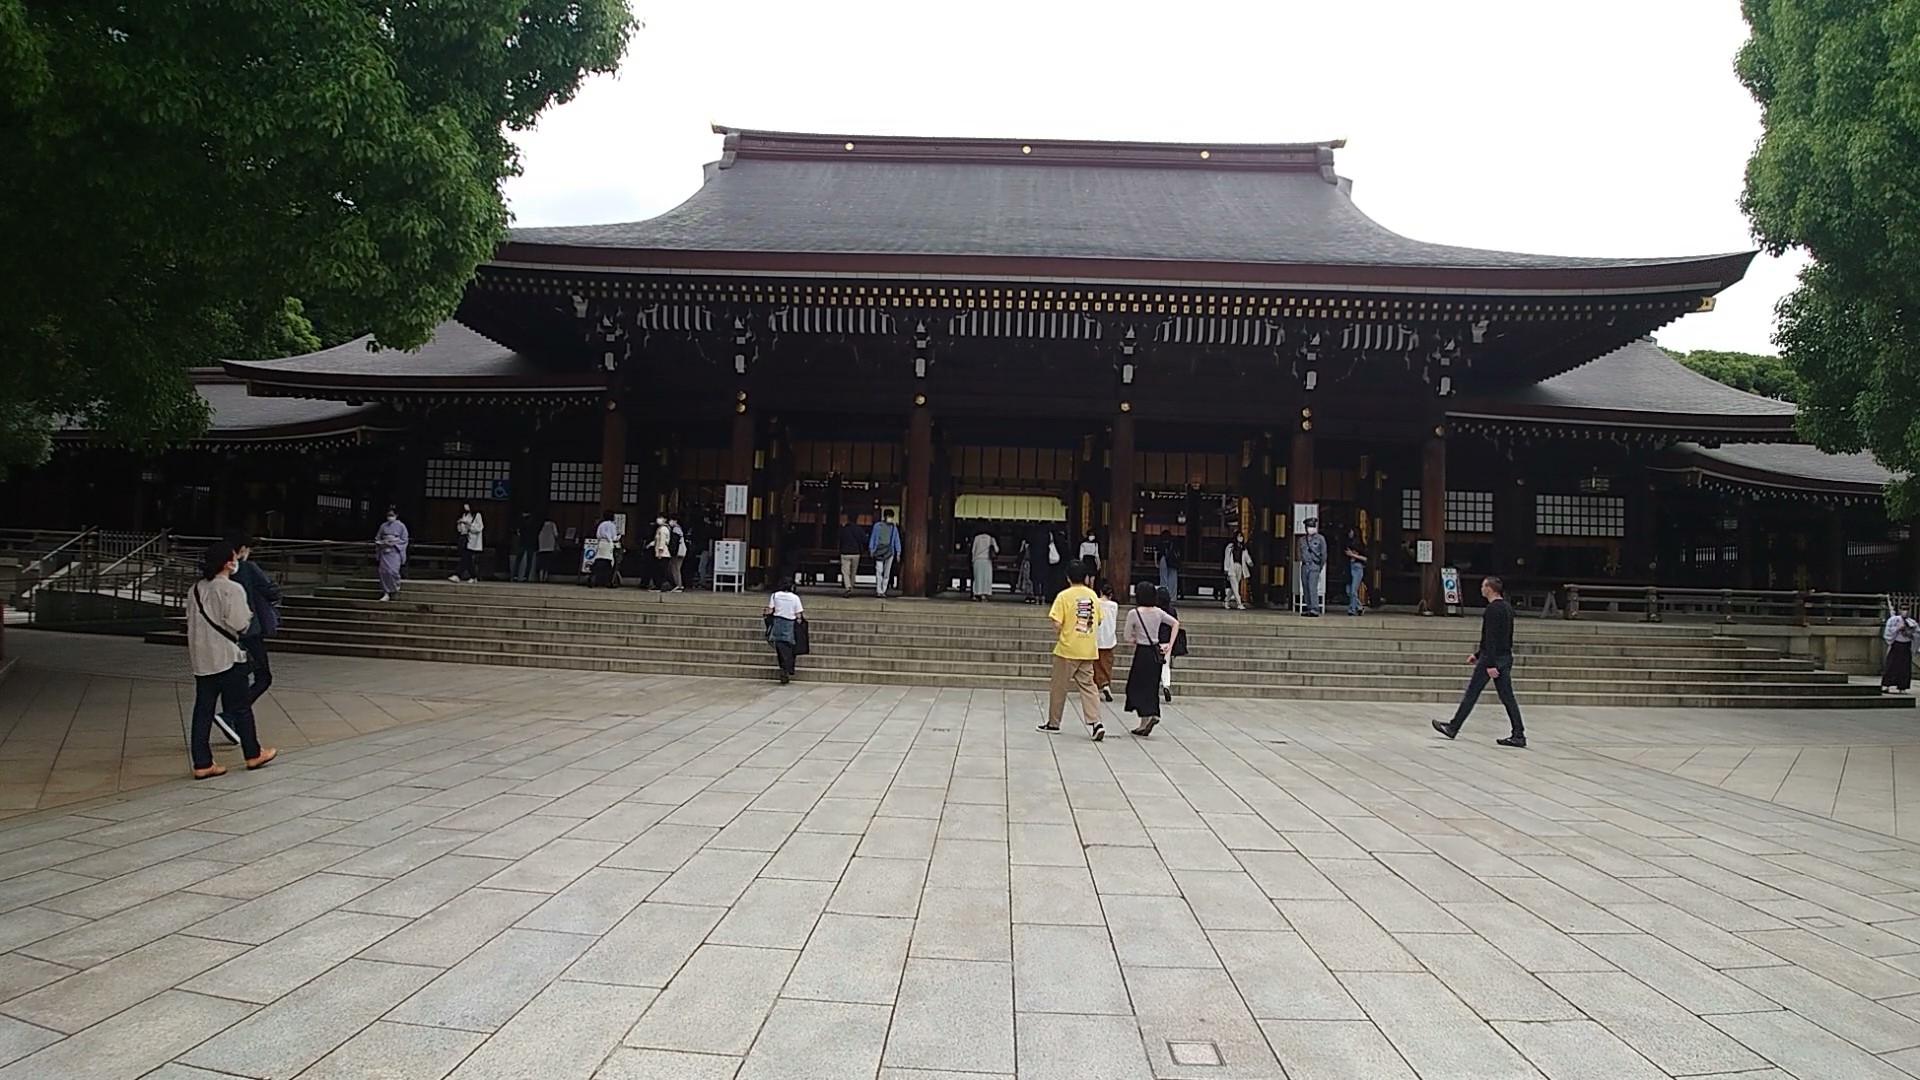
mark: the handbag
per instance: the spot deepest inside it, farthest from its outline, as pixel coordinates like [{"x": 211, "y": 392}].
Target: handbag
[{"x": 1053, "y": 554}]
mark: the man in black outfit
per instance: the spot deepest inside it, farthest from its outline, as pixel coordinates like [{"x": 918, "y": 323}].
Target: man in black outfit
[{"x": 1492, "y": 660}]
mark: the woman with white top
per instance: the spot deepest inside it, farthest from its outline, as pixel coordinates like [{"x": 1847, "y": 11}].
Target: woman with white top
[
  {"x": 985, "y": 547},
  {"x": 217, "y": 614},
  {"x": 1106, "y": 638},
  {"x": 606, "y": 552},
  {"x": 549, "y": 543},
  {"x": 784, "y": 614},
  {"x": 472, "y": 528},
  {"x": 1090, "y": 552},
  {"x": 1151, "y": 631},
  {"x": 1238, "y": 563}
]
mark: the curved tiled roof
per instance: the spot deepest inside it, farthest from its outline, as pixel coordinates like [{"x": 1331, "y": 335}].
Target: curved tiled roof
[
  {"x": 455, "y": 357},
  {"x": 1232, "y": 204},
  {"x": 1790, "y": 465},
  {"x": 1643, "y": 377},
  {"x": 237, "y": 417}
]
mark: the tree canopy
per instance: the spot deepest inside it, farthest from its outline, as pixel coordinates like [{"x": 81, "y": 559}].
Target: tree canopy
[
  {"x": 1837, "y": 173},
  {"x": 184, "y": 181},
  {"x": 1756, "y": 373}
]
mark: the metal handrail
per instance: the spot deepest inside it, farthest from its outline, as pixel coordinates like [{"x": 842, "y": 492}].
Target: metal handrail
[{"x": 1801, "y": 607}]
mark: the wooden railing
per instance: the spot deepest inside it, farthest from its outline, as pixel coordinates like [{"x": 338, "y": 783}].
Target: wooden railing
[{"x": 1656, "y": 603}]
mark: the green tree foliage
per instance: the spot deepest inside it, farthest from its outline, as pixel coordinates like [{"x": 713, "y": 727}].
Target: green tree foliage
[
  {"x": 176, "y": 172},
  {"x": 1756, "y": 373},
  {"x": 1837, "y": 173}
]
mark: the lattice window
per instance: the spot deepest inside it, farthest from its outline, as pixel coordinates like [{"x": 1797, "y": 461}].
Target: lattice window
[
  {"x": 460, "y": 478},
  {"x": 1871, "y": 549},
  {"x": 1467, "y": 511},
  {"x": 579, "y": 482},
  {"x": 339, "y": 504},
  {"x": 1603, "y": 516},
  {"x": 1470, "y": 511}
]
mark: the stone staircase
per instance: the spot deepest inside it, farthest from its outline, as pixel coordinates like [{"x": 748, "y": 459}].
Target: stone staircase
[{"x": 1004, "y": 645}]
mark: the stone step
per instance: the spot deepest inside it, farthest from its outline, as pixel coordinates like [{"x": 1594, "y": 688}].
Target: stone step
[
  {"x": 1035, "y": 667},
  {"x": 642, "y": 605},
  {"x": 876, "y": 629},
  {"x": 935, "y": 654},
  {"x": 1701, "y": 696}
]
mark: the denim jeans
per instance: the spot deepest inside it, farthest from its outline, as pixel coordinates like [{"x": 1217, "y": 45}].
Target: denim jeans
[
  {"x": 1355, "y": 572},
  {"x": 1170, "y": 579},
  {"x": 523, "y": 565}
]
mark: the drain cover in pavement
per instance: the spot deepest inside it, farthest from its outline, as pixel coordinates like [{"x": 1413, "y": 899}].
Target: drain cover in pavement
[{"x": 1194, "y": 1053}]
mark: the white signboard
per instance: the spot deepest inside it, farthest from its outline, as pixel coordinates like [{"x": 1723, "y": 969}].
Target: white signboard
[
  {"x": 736, "y": 500},
  {"x": 620, "y": 524},
  {"x": 1301, "y": 512},
  {"x": 729, "y": 556},
  {"x": 1450, "y": 585},
  {"x": 1423, "y": 551},
  {"x": 587, "y": 552}
]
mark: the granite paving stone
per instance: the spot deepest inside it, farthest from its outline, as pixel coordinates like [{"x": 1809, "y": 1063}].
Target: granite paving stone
[
  {"x": 1578, "y": 1050},
  {"x": 818, "y": 1040},
  {"x": 953, "y": 1014},
  {"x": 451, "y": 932},
  {"x": 135, "y": 1042},
  {"x": 594, "y": 902},
  {"x": 1067, "y": 969},
  {"x": 483, "y": 991},
  {"x": 564, "y": 1033},
  {"x": 265, "y": 973},
  {"x": 716, "y": 1003},
  {"x": 282, "y": 1039},
  {"x": 1666, "y": 1034},
  {"x": 1335, "y": 1050},
  {"x": 384, "y": 1051},
  {"x": 82, "y": 1000},
  {"x": 852, "y": 958},
  {"x": 1066, "y": 1047},
  {"x": 1197, "y": 1005},
  {"x": 626, "y": 1063},
  {"x": 774, "y": 913},
  {"x": 1433, "y": 1030},
  {"x": 648, "y": 946},
  {"x": 91, "y": 943}
]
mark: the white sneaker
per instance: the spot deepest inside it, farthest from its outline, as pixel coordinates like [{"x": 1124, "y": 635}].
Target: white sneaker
[
  {"x": 226, "y": 730},
  {"x": 384, "y": 598},
  {"x": 455, "y": 578}
]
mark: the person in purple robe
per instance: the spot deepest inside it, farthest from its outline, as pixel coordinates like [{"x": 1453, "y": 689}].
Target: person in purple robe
[{"x": 390, "y": 547}]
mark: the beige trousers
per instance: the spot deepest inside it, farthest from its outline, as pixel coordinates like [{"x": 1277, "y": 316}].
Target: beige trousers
[{"x": 1078, "y": 673}]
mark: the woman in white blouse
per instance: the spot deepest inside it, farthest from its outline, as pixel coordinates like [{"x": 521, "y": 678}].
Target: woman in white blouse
[{"x": 784, "y": 615}]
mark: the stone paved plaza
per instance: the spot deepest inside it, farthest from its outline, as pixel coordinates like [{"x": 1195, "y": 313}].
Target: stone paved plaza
[{"x": 519, "y": 873}]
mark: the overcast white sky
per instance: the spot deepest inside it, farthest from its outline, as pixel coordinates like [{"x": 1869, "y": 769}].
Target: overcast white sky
[{"x": 1529, "y": 125}]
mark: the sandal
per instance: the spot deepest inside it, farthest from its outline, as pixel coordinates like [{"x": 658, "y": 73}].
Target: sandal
[
  {"x": 210, "y": 772},
  {"x": 267, "y": 754}
]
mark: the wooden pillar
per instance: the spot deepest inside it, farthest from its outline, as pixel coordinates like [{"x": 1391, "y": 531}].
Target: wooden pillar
[
  {"x": 1750, "y": 571},
  {"x": 1120, "y": 526},
  {"x": 740, "y": 466},
  {"x": 613, "y": 456},
  {"x": 1433, "y": 515},
  {"x": 913, "y": 530},
  {"x": 1301, "y": 471},
  {"x": 1836, "y": 551}
]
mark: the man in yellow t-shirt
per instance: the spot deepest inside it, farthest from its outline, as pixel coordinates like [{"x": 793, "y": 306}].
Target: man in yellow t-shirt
[{"x": 1076, "y": 615}]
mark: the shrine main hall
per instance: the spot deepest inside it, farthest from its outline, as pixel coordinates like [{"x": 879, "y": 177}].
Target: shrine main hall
[{"x": 1150, "y": 342}]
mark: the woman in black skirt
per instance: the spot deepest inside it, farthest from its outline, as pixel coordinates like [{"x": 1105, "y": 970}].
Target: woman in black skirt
[
  {"x": 1148, "y": 625},
  {"x": 1896, "y": 675}
]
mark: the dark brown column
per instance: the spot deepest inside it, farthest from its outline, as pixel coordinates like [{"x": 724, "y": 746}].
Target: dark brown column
[
  {"x": 1751, "y": 573},
  {"x": 1837, "y": 551},
  {"x": 740, "y": 466},
  {"x": 1120, "y": 525},
  {"x": 1433, "y": 515},
  {"x": 613, "y": 456},
  {"x": 913, "y": 560},
  {"x": 1301, "y": 471}
]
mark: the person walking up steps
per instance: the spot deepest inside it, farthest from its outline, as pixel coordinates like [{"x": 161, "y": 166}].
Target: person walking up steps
[
  {"x": 785, "y": 614},
  {"x": 1492, "y": 660},
  {"x": 853, "y": 544},
  {"x": 472, "y": 528},
  {"x": 885, "y": 547},
  {"x": 1106, "y": 637},
  {"x": 1076, "y": 621}
]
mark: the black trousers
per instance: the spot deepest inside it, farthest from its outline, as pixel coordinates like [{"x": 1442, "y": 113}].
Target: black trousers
[
  {"x": 1897, "y": 672},
  {"x": 262, "y": 671},
  {"x": 230, "y": 689},
  {"x": 1502, "y": 686},
  {"x": 783, "y": 651},
  {"x": 467, "y": 560}
]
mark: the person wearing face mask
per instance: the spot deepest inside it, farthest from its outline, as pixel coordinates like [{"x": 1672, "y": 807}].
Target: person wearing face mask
[
  {"x": 1356, "y": 570},
  {"x": 1238, "y": 563},
  {"x": 217, "y": 615},
  {"x": 390, "y": 549},
  {"x": 1090, "y": 552},
  {"x": 472, "y": 528},
  {"x": 662, "y": 548},
  {"x": 1313, "y": 566},
  {"x": 676, "y": 552}
]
